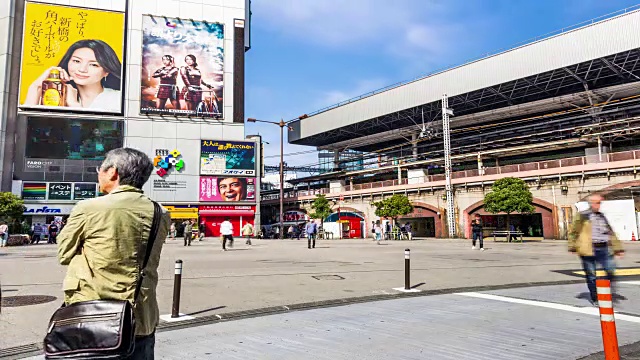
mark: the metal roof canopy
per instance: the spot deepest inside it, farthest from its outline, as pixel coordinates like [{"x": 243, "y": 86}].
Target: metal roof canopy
[{"x": 581, "y": 63}]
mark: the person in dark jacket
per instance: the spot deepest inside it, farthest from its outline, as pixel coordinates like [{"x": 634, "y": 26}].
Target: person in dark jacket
[{"x": 476, "y": 230}]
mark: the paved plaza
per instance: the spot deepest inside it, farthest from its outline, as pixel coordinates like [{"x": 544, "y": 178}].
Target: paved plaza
[{"x": 279, "y": 274}]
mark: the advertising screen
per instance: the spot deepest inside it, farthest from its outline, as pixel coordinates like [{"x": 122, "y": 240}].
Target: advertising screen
[
  {"x": 72, "y": 58},
  {"x": 227, "y": 158},
  {"x": 71, "y": 139},
  {"x": 227, "y": 189},
  {"x": 34, "y": 191},
  {"x": 182, "y": 67}
]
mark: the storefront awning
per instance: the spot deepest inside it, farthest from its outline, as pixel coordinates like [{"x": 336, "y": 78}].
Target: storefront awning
[{"x": 227, "y": 212}]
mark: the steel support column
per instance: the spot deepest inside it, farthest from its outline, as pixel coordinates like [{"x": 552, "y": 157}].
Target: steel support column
[{"x": 446, "y": 134}]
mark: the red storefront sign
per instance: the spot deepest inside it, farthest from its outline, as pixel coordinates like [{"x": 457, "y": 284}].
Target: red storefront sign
[{"x": 214, "y": 215}]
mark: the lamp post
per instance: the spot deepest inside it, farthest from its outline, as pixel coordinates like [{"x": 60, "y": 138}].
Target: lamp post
[{"x": 281, "y": 124}]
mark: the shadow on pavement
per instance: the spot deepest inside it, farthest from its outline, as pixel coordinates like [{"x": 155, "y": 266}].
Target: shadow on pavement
[{"x": 206, "y": 310}]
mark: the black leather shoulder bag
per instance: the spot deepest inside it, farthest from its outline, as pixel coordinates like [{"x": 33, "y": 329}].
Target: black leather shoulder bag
[{"x": 98, "y": 329}]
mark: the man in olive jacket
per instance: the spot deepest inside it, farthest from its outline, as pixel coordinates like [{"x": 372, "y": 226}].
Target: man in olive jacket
[
  {"x": 593, "y": 239},
  {"x": 104, "y": 244}
]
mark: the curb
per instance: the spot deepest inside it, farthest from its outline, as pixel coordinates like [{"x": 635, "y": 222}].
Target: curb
[{"x": 35, "y": 349}]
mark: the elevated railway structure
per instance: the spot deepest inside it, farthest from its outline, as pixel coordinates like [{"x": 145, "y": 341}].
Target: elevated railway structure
[{"x": 562, "y": 112}]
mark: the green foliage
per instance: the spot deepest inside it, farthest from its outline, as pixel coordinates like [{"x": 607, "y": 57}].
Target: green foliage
[
  {"x": 321, "y": 208},
  {"x": 11, "y": 207},
  {"x": 393, "y": 207},
  {"x": 509, "y": 195}
]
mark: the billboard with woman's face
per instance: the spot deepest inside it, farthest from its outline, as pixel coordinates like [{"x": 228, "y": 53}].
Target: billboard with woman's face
[
  {"x": 72, "y": 58},
  {"x": 182, "y": 67}
]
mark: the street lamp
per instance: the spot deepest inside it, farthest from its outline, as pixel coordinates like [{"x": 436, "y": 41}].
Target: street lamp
[{"x": 282, "y": 124}]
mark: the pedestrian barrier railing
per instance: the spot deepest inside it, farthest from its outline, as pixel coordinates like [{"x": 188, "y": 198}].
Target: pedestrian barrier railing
[{"x": 505, "y": 169}]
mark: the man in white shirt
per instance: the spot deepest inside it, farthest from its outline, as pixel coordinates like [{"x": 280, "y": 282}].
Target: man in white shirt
[{"x": 226, "y": 230}]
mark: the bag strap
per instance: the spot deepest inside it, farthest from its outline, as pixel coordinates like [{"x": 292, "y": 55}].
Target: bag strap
[{"x": 155, "y": 224}]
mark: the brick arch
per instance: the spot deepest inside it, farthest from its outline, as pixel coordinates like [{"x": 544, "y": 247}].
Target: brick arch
[
  {"x": 544, "y": 207},
  {"x": 436, "y": 215},
  {"x": 349, "y": 209}
]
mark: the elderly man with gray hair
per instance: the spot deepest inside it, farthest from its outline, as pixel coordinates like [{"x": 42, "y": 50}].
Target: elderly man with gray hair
[
  {"x": 593, "y": 239},
  {"x": 105, "y": 241}
]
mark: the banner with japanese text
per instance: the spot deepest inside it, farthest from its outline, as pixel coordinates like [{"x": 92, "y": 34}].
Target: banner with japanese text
[
  {"x": 227, "y": 189},
  {"x": 229, "y": 158},
  {"x": 72, "y": 58}
]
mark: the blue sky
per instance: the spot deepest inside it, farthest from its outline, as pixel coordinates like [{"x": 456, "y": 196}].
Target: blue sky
[{"x": 308, "y": 54}]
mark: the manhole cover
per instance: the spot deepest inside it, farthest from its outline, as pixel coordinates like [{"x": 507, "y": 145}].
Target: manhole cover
[
  {"x": 328, "y": 277},
  {"x": 26, "y": 300}
]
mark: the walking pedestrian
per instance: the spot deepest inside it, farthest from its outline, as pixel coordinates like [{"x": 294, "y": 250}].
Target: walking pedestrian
[
  {"x": 476, "y": 232},
  {"x": 172, "y": 231},
  {"x": 4, "y": 234},
  {"x": 407, "y": 227},
  {"x": 37, "y": 233},
  {"x": 377, "y": 230},
  {"x": 226, "y": 230},
  {"x": 102, "y": 243},
  {"x": 290, "y": 232},
  {"x": 201, "y": 230},
  {"x": 311, "y": 229},
  {"x": 247, "y": 231},
  {"x": 53, "y": 233},
  {"x": 593, "y": 239},
  {"x": 188, "y": 229}
]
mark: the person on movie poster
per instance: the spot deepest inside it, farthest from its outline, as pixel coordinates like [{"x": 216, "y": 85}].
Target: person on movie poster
[
  {"x": 91, "y": 73},
  {"x": 168, "y": 87},
  {"x": 192, "y": 90}
]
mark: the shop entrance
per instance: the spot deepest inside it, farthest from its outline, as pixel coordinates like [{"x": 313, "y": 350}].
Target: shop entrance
[
  {"x": 421, "y": 227},
  {"x": 531, "y": 225}
]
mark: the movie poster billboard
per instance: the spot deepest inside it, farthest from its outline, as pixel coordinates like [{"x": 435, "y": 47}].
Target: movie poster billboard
[
  {"x": 182, "y": 67},
  {"x": 72, "y": 58},
  {"x": 227, "y": 158},
  {"x": 227, "y": 189}
]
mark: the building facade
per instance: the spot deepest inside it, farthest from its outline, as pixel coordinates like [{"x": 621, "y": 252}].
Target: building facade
[{"x": 164, "y": 77}]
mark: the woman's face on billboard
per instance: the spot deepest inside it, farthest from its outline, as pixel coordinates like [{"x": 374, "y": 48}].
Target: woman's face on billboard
[
  {"x": 84, "y": 69},
  {"x": 230, "y": 189}
]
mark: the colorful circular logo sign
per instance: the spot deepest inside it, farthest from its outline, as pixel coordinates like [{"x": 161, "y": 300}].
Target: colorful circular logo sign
[{"x": 166, "y": 160}]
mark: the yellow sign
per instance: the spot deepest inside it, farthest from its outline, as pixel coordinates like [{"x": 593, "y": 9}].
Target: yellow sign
[
  {"x": 182, "y": 213},
  {"x": 85, "y": 46}
]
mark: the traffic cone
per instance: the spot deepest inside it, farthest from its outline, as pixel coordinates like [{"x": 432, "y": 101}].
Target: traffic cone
[{"x": 633, "y": 236}]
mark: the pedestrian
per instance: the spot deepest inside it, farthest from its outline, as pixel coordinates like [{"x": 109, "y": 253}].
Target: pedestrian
[
  {"x": 102, "y": 243},
  {"x": 4, "y": 234},
  {"x": 37, "y": 233},
  {"x": 299, "y": 231},
  {"x": 377, "y": 230},
  {"x": 311, "y": 229},
  {"x": 373, "y": 230},
  {"x": 172, "y": 231},
  {"x": 592, "y": 238},
  {"x": 407, "y": 227},
  {"x": 201, "y": 230},
  {"x": 188, "y": 229},
  {"x": 226, "y": 230},
  {"x": 476, "y": 233},
  {"x": 53, "y": 233},
  {"x": 247, "y": 231},
  {"x": 512, "y": 232},
  {"x": 290, "y": 232}
]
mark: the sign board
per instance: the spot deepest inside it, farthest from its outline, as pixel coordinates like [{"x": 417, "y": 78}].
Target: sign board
[
  {"x": 60, "y": 191},
  {"x": 83, "y": 191},
  {"x": 51, "y": 209},
  {"x": 168, "y": 185},
  {"x": 227, "y": 189},
  {"x": 228, "y": 158}
]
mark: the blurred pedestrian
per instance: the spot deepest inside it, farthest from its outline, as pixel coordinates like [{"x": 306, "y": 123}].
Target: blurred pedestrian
[
  {"x": 188, "y": 232},
  {"x": 593, "y": 239},
  {"x": 105, "y": 242},
  {"x": 201, "y": 230},
  {"x": 377, "y": 230},
  {"x": 226, "y": 230},
  {"x": 172, "y": 231},
  {"x": 476, "y": 233},
  {"x": 53, "y": 233},
  {"x": 311, "y": 230},
  {"x": 247, "y": 231},
  {"x": 4, "y": 234}
]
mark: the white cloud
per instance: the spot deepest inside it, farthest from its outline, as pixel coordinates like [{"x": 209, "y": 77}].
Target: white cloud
[
  {"x": 332, "y": 97},
  {"x": 398, "y": 27}
]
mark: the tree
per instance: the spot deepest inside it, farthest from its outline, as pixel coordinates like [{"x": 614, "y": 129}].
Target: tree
[
  {"x": 321, "y": 209},
  {"x": 509, "y": 195},
  {"x": 11, "y": 208},
  {"x": 393, "y": 207}
]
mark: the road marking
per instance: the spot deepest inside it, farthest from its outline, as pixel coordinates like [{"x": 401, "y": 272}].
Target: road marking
[
  {"x": 618, "y": 272},
  {"x": 629, "y": 282},
  {"x": 548, "y": 305}
]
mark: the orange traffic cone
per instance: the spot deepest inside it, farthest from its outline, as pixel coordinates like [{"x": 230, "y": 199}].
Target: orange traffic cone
[{"x": 633, "y": 236}]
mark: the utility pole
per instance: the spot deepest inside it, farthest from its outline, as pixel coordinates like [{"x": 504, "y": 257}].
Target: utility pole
[{"x": 446, "y": 132}]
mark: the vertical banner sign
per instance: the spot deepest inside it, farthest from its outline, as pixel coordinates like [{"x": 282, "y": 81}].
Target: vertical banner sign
[
  {"x": 72, "y": 58},
  {"x": 227, "y": 158},
  {"x": 182, "y": 67},
  {"x": 60, "y": 191}
]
